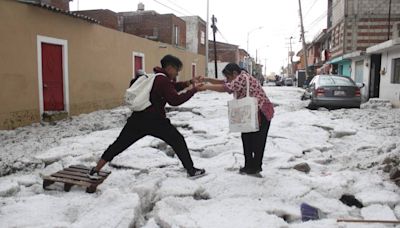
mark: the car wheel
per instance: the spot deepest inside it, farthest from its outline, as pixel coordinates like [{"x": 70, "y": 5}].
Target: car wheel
[{"x": 312, "y": 105}]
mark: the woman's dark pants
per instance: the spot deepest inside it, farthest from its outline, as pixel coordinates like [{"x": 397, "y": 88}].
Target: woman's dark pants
[{"x": 254, "y": 146}]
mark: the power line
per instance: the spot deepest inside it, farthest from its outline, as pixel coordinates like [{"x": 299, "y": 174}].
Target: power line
[
  {"x": 180, "y": 7},
  {"x": 308, "y": 11},
  {"x": 323, "y": 15},
  {"x": 219, "y": 31},
  {"x": 169, "y": 8}
]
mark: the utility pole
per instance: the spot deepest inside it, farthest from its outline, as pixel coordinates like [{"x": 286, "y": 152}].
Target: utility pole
[
  {"x": 265, "y": 67},
  {"x": 288, "y": 63},
  {"x": 214, "y": 27},
  {"x": 207, "y": 24},
  {"x": 304, "y": 43},
  {"x": 390, "y": 10},
  {"x": 291, "y": 56},
  {"x": 256, "y": 57}
]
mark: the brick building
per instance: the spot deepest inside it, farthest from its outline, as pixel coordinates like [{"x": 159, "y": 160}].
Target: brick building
[
  {"x": 166, "y": 28},
  {"x": 225, "y": 52},
  {"x": 359, "y": 24},
  {"x": 106, "y": 18},
  {"x": 60, "y": 4}
]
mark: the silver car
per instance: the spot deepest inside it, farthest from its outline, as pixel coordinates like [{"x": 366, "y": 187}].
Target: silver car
[
  {"x": 333, "y": 91},
  {"x": 288, "y": 82}
]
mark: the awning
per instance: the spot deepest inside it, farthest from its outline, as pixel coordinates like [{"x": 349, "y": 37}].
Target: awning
[
  {"x": 338, "y": 60},
  {"x": 335, "y": 60}
]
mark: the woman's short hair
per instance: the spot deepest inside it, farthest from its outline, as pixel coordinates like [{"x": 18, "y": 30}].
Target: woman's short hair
[
  {"x": 170, "y": 60},
  {"x": 230, "y": 68}
]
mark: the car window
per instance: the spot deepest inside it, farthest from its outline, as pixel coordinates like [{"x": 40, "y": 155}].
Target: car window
[
  {"x": 342, "y": 81},
  {"x": 335, "y": 81},
  {"x": 326, "y": 81}
]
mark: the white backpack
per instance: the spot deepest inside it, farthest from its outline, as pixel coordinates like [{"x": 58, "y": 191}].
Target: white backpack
[{"x": 137, "y": 97}]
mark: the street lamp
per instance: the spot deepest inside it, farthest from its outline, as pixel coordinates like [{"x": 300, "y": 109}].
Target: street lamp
[
  {"x": 250, "y": 68},
  {"x": 248, "y": 35}
]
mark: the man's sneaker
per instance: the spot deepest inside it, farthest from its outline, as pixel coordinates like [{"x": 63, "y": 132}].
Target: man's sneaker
[
  {"x": 93, "y": 174},
  {"x": 195, "y": 173}
]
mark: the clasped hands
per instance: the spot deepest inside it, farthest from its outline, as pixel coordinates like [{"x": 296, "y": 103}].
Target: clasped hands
[{"x": 199, "y": 83}]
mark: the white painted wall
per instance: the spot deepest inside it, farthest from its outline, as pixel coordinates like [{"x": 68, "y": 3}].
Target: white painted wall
[
  {"x": 192, "y": 36},
  {"x": 387, "y": 89}
]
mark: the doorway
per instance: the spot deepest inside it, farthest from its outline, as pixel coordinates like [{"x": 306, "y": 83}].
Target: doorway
[
  {"x": 52, "y": 56},
  {"x": 375, "y": 76}
]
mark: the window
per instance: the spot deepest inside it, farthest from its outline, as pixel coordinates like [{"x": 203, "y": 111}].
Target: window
[
  {"x": 202, "y": 37},
  {"x": 176, "y": 35},
  {"x": 396, "y": 71}
]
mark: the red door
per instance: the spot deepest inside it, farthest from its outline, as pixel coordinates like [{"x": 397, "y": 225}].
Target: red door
[
  {"x": 193, "y": 71},
  {"x": 52, "y": 77},
  {"x": 138, "y": 63}
]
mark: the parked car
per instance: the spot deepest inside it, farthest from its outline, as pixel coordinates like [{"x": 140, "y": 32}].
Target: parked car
[
  {"x": 333, "y": 91},
  {"x": 288, "y": 82}
]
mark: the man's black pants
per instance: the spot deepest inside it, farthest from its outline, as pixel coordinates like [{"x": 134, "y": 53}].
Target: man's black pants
[
  {"x": 254, "y": 145},
  {"x": 141, "y": 124}
]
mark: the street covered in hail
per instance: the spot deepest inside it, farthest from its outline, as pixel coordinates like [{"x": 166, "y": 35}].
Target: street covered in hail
[{"x": 312, "y": 156}]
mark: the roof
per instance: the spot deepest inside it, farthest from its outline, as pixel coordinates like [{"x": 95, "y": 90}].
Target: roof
[
  {"x": 385, "y": 46},
  {"x": 354, "y": 55},
  {"x": 58, "y": 10}
]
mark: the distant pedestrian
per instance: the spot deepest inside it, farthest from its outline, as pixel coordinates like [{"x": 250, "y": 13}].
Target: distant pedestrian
[
  {"x": 253, "y": 142},
  {"x": 153, "y": 121}
]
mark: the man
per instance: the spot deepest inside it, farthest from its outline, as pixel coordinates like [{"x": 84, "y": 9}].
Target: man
[{"x": 153, "y": 121}]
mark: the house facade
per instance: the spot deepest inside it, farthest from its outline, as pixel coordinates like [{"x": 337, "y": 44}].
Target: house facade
[
  {"x": 389, "y": 69},
  {"x": 63, "y": 62},
  {"x": 355, "y": 25},
  {"x": 352, "y": 27}
]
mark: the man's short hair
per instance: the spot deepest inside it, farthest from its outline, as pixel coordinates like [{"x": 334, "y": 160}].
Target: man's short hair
[{"x": 170, "y": 60}]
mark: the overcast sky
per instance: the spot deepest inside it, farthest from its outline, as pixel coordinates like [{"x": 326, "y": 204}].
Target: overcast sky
[{"x": 238, "y": 21}]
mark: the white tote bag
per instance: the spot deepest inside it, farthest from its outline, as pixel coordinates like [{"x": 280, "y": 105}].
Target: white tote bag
[
  {"x": 137, "y": 97},
  {"x": 243, "y": 113}
]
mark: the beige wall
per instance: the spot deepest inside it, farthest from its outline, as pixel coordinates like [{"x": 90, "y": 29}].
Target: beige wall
[{"x": 99, "y": 61}]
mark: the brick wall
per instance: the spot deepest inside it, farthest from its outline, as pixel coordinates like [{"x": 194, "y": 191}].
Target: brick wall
[
  {"x": 159, "y": 27},
  {"x": 61, "y": 4},
  {"x": 107, "y": 18},
  {"x": 225, "y": 52},
  {"x": 337, "y": 11},
  {"x": 366, "y": 24}
]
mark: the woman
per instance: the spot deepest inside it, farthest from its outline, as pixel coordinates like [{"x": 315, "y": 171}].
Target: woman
[{"x": 253, "y": 142}]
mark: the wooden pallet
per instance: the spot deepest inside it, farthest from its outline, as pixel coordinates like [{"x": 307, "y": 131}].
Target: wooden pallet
[{"x": 75, "y": 175}]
